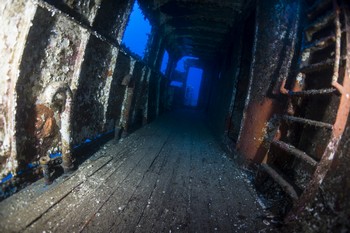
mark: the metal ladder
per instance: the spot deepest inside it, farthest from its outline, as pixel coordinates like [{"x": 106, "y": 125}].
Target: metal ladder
[{"x": 318, "y": 107}]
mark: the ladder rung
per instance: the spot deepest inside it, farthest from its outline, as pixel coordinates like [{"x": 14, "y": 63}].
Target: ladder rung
[
  {"x": 317, "y": 66},
  {"x": 294, "y": 151},
  {"x": 308, "y": 122},
  {"x": 285, "y": 185},
  {"x": 313, "y": 92},
  {"x": 321, "y": 65},
  {"x": 318, "y": 25},
  {"x": 320, "y": 44},
  {"x": 318, "y": 7}
]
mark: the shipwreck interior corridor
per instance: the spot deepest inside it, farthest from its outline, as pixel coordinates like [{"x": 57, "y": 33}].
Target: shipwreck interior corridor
[
  {"x": 175, "y": 116},
  {"x": 169, "y": 176}
]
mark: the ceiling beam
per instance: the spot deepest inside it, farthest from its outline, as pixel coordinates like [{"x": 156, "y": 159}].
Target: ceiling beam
[
  {"x": 197, "y": 20},
  {"x": 214, "y": 3},
  {"x": 187, "y": 33},
  {"x": 197, "y": 29}
]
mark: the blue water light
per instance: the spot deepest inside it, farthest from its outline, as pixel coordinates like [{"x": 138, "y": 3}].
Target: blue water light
[
  {"x": 137, "y": 31},
  {"x": 164, "y": 62},
  {"x": 194, "y": 79}
]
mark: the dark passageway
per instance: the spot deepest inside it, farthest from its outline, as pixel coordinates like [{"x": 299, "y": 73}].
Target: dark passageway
[{"x": 174, "y": 116}]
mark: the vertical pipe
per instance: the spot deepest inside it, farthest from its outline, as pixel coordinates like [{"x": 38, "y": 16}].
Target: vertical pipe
[
  {"x": 44, "y": 163},
  {"x": 67, "y": 161},
  {"x": 159, "y": 79},
  {"x": 123, "y": 123},
  {"x": 145, "y": 111},
  {"x": 49, "y": 98},
  {"x": 337, "y": 43},
  {"x": 129, "y": 95}
]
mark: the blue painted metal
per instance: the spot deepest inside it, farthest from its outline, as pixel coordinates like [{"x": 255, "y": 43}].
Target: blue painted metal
[{"x": 34, "y": 165}]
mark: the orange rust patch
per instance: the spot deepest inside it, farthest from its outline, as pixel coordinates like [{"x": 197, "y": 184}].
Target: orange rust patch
[
  {"x": 45, "y": 121},
  {"x": 46, "y": 129},
  {"x": 257, "y": 115},
  {"x": 109, "y": 73}
]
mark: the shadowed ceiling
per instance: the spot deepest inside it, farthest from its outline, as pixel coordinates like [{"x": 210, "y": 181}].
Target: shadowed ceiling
[{"x": 197, "y": 28}]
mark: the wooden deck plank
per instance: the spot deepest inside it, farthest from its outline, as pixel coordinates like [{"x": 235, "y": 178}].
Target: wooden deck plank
[
  {"x": 169, "y": 176},
  {"x": 22, "y": 199},
  {"x": 212, "y": 164},
  {"x": 200, "y": 206},
  {"x": 94, "y": 200},
  {"x": 216, "y": 162},
  {"x": 83, "y": 192},
  {"x": 155, "y": 208},
  {"x": 116, "y": 200},
  {"x": 174, "y": 193},
  {"x": 237, "y": 195},
  {"x": 51, "y": 221},
  {"x": 21, "y": 219},
  {"x": 25, "y": 213},
  {"x": 143, "y": 199}
]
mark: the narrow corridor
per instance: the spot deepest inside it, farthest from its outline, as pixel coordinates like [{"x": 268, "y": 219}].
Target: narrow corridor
[
  {"x": 169, "y": 176},
  {"x": 98, "y": 131}
]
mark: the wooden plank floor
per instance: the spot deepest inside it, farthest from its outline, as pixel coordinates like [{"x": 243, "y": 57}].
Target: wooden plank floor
[{"x": 170, "y": 176}]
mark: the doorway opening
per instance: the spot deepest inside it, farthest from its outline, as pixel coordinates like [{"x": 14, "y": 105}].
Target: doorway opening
[{"x": 193, "y": 84}]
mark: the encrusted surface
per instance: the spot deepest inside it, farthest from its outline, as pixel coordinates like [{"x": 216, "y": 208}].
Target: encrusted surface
[
  {"x": 16, "y": 18},
  {"x": 46, "y": 46},
  {"x": 51, "y": 55},
  {"x": 85, "y": 10},
  {"x": 275, "y": 31},
  {"x": 194, "y": 28}
]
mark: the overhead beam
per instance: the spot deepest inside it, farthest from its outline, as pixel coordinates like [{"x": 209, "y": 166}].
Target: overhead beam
[
  {"x": 199, "y": 49},
  {"x": 197, "y": 43},
  {"x": 201, "y": 56},
  {"x": 193, "y": 33},
  {"x": 199, "y": 46},
  {"x": 197, "y": 20},
  {"x": 175, "y": 9},
  {"x": 193, "y": 38},
  {"x": 214, "y": 3},
  {"x": 197, "y": 29}
]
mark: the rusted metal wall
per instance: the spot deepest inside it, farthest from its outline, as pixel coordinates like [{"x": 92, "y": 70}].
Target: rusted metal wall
[
  {"x": 274, "y": 31},
  {"x": 43, "y": 47},
  {"x": 83, "y": 10},
  {"x": 112, "y": 18},
  {"x": 117, "y": 91},
  {"x": 13, "y": 33},
  {"x": 53, "y": 52},
  {"x": 91, "y": 97}
]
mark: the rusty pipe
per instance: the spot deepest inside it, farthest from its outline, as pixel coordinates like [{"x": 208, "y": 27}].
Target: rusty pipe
[
  {"x": 283, "y": 90},
  {"x": 49, "y": 97},
  {"x": 337, "y": 42},
  {"x": 45, "y": 165}
]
